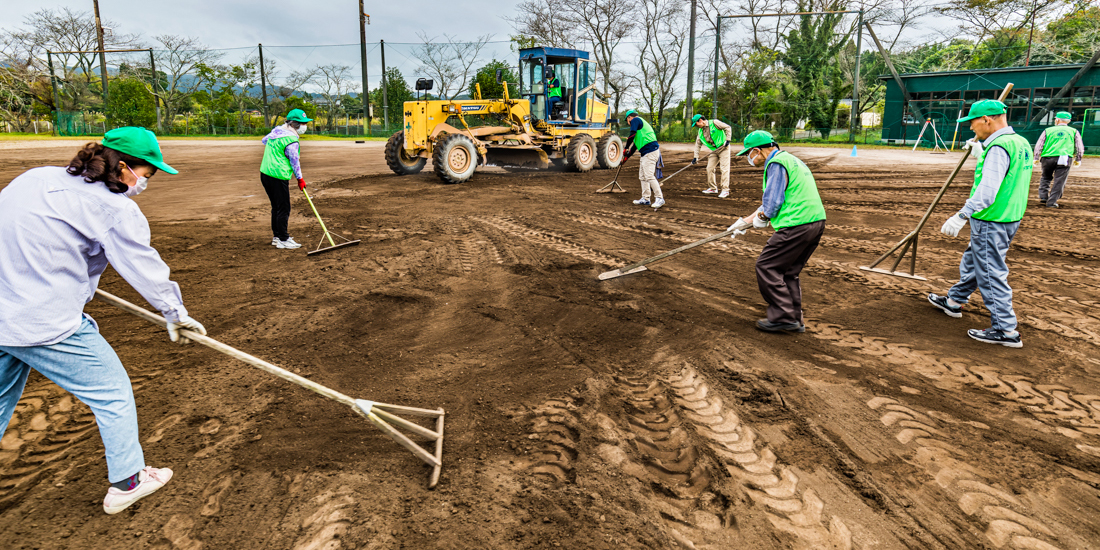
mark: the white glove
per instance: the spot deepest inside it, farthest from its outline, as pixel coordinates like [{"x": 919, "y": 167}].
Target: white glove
[
  {"x": 953, "y": 225},
  {"x": 1036, "y": 163},
  {"x": 739, "y": 225},
  {"x": 759, "y": 222},
  {"x": 185, "y": 323},
  {"x": 975, "y": 147}
]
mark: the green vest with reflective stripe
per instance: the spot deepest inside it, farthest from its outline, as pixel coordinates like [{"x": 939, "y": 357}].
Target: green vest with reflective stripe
[
  {"x": 555, "y": 87},
  {"x": 1059, "y": 141},
  {"x": 645, "y": 136},
  {"x": 1011, "y": 198},
  {"x": 801, "y": 204},
  {"x": 717, "y": 137},
  {"x": 275, "y": 163}
]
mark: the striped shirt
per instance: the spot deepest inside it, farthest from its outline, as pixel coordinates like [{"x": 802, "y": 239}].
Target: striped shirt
[{"x": 57, "y": 236}]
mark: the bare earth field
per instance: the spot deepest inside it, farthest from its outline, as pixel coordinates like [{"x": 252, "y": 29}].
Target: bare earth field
[{"x": 640, "y": 412}]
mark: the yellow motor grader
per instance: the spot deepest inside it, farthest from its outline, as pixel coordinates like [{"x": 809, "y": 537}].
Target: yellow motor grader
[{"x": 566, "y": 127}]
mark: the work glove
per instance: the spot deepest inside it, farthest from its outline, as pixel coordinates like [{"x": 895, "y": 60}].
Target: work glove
[
  {"x": 1076, "y": 163},
  {"x": 759, "y": 222},
  {"x": 301, "y": 184},
  {"x": 626, "y": 157},
  {"x": 953, "y": 225},
  {"x": 739, "y": 227},
  {"x": 1036, "y": 163},
  {"x": 694, "y": 160},
  {"x": 185, "y": 323},
  {"x": 975, "y": 147}
]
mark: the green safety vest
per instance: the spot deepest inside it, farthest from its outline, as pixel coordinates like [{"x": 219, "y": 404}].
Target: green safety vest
[
  {"x": 1059, "y": 141},
  {"x": 555, "y": 87},
  {"x": 802, "y": 203},
  {"x": 717, "y": 137},
  {"x": 645, "y": 136},
  {"x": 1011, "y": 198},
  {"x": 275, "y": 163}
]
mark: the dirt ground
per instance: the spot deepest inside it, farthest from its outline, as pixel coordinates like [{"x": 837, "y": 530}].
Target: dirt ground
[{"x": 640, "y": 412}]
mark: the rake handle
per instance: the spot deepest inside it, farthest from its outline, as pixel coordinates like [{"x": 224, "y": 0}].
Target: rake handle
[
  {"x": 319, "y": 220},
  {"x": 664, "y": 255}
]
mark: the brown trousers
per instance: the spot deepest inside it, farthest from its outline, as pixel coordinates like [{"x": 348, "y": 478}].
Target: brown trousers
[{"x": 778, "y": 267}]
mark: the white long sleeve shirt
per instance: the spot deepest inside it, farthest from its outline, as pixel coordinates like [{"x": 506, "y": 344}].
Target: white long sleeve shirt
[{"x": 57, "y": 236}]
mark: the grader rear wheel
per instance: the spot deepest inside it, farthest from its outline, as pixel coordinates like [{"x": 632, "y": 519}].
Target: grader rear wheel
[
  {"x": 455, "y": 158},
  {"x": 609, "y": 151},
  {"x": 580, "y": 154},
  {"x": 399, "y": 160}
]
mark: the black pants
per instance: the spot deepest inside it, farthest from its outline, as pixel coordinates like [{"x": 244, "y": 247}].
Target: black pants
[
  {"x": 279, "y": 192},
  {"x": 1053, "y": 179},
  {"x": 778, "y": 267}
]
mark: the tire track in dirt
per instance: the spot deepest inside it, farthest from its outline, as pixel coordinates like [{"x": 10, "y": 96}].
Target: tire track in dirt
[
  {"x": 1073, "y": 415},
  {"x": 547, "y": 239},
  {"x": 474, "y": 250},
  {"x": 1006, "y": 520},
  {"x": 554, "y": 426}
]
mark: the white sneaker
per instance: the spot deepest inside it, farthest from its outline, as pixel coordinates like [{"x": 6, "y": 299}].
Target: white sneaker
[
  {"x": 725, "y": 193},
  {"x": 274, "y": 241},
  {"x": 709, "y": 191},
  {"x": 642, "y": 202},
  {"x": 288, "y": 243},
  {"x": 658, "y": 203},
  {"x": 150, "y": 478}
]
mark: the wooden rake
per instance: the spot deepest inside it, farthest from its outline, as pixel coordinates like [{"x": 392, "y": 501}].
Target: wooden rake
[
  {"x": 380, "y": 414},
  {"x": 909, "y": 242},
  {"x": 641, "y": 266}
]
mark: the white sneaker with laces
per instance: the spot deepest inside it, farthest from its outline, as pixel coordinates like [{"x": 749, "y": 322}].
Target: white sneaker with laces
[
  {"x": 274, "y": 241},
  {"x": 725, "y": 193},
  {"x": 658, "y": 203},
  {"x": 288, "y": 243},
  {"x": 150, "y": 479},
  {"x": 709, "y": 191}
]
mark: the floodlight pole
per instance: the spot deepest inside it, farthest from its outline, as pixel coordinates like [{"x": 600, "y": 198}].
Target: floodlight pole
[
  {"x": 363, "y": 22},
  {"x": 102, "y": 56}
]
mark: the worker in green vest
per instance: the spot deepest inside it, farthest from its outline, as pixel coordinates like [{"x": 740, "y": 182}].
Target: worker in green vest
[
  {"x": 643, "y": 140},
  {"x": 716, "y": 135},
  {"x": 1057, "y": 145},
  {"x": 792, "y": 205},
  {"x": 996, "y": 205},
  {"x": 553, "y": 94},
  {"x": 281, "y": 162}
]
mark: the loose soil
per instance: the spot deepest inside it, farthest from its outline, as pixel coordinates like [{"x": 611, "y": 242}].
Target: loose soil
[{"x": 640, "y": 412}]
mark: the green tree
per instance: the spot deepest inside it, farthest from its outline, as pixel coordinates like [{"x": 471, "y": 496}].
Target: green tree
[
  {"x": 397, "y": 93},
  {"x": 811, "y": 53},
  {"x": 131, "y": 103},
  {"x": 487, "y": 78},
  {"x": 296, "y": 102}
]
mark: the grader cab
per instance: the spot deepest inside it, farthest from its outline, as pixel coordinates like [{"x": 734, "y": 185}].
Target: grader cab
[{"x": 461, "y": 134}]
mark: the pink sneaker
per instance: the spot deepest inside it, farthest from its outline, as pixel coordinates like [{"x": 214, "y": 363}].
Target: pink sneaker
[{"x": 150, "y": 478}]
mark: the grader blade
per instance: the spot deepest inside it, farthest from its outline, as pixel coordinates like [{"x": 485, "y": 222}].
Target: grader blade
[{"x": 530, "y": 157}]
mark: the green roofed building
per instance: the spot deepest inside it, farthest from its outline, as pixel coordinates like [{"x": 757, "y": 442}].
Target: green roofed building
[{"x": 942, "y": 96}]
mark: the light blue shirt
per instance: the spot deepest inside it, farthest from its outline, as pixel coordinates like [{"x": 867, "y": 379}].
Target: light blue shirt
[
  {"x": 57, "y": 235},
  {"x": 775, "y": 192},
  {"x": 993, "y": 173}
]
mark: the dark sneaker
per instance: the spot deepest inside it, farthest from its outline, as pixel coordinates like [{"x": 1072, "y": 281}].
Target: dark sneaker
[
  {"x": 768, "y": 326},
  {"x": 941, "y": 302},
  {"x": 1055, "y": 205},
  {"x": 994, "y": 336}
]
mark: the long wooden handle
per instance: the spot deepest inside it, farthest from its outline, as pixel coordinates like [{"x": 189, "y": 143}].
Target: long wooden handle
[{"x": 664, "y": 255}]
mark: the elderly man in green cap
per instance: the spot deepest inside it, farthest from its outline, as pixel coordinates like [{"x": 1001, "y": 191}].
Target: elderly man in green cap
[
  {"x": 716, "y": 135},
  {"x": 1057, "y": 146},
  {"x": 793, "y": 207},
  {"x": 643, "y": 140},
  {"x": 996, "y": 205},
  {"x": 282, "y": 162},
  {"x": 61, "y": 227}
]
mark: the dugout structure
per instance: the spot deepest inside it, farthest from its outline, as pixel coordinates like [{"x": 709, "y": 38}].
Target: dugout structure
[{"x": 942, "y": 95}]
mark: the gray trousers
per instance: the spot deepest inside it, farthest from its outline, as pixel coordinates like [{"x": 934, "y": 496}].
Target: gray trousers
[
  {"x": 983, "y": 268},
  {"x": 778, "y": 267},
  {"x": 1053, "y": 179}
]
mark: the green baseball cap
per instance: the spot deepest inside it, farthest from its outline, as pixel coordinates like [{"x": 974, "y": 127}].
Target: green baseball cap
[
  {"x": 631, "y": 112},
  {"x": 1063, "y": 115},
  {"x": 139, "y": 143},
  {"x": 756, "y": 139},
  {"x": 696, "y": 118},
  {"x": 985, "y": 107},
  {"x": 298, "y": 115}
]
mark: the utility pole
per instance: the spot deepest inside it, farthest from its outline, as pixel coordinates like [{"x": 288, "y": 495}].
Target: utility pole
[
  {"x": 364, "y": 20},
  {"x": 691, "y": 69},
  {"x": 385, "y": 95},
  {"x": 717, "y": 55},
  {"x": 263, "y": 82},
  {"x": 1027, "y": 60},
  {"x": 156, "y": 98},
  {"x": 852, "y": 124},
  {"x": 102, "y": 56},
  {"x": 56, "y": 97}
]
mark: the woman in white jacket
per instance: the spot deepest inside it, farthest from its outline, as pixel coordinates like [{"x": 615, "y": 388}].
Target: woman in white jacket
[{"x": 60, "y": 228}]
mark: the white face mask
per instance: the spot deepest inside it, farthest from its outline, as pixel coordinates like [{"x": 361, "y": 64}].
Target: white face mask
[
  {"x": 136, "y": 188},
  {"x": 302, "y": 129},
  {"x": 749, "y": 157}
]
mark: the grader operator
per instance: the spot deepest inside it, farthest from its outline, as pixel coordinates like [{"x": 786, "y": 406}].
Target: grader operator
[{"x": 458, "y": 135}]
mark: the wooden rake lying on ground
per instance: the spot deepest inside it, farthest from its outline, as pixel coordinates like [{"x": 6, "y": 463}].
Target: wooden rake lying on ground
[{"x": 380, "y": 414}]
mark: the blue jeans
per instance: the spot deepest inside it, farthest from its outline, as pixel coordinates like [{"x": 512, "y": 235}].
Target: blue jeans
[
  {"x": 983, "y": 268},
  {"x": 84, "y": 365},
  {"x": 551, "y": 102}
]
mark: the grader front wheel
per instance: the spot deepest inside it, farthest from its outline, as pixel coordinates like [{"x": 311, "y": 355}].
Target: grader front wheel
[
  {"x": 609, "y": 151},
  {"x": 399, "y": 160},
  {"x": 455, "y": 158},
  {"x": 580, "y": 154}
]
